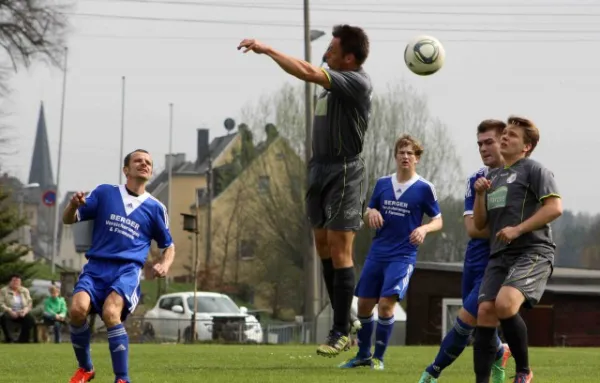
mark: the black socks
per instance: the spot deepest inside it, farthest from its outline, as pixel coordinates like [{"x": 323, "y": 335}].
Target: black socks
[
  {"x": 343, "y": 285},
  {"x": 328, "y": 276},
  {"x": 484, "y": 353},
  {"x": 515, "y": 332}
]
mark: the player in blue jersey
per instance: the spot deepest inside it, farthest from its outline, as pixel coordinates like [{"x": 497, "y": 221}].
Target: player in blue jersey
[
  {"x": 126, "y": 219},
  {"x": 476, "y": 259},
  {"x": 396, "y": 211}
]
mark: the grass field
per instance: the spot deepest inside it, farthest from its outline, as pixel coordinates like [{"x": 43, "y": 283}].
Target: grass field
[{"x": 288, "y": 364}]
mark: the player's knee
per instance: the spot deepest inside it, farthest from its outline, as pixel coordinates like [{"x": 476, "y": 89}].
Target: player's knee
[
  {"x": 508, "y": 303},
  {"x": 486, "y": 314},
  {"x": 78, "y": 312},
  {"x": 111, "y": 312},
  {"x": 366, "y": 306},
  {"x": 340, "y": 248},
  {"x": 386, "y": 306},
  {"x": 466, "y": 317}
]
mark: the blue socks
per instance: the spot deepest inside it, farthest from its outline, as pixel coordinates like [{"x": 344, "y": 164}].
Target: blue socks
[
  {"x": 452, "y": 346},
  {"x": 364, "y": 335},
  {"x": 80, "y": 338},
  {"x": 499, "y": 347},
  {"x": 118, "y": 344},
  {"x": 382, "y": 336}
]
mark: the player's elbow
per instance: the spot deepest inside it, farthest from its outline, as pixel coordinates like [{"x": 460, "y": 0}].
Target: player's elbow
[
  {"x": 479, "y": 223},
  {"x": 316, "y": 76}
]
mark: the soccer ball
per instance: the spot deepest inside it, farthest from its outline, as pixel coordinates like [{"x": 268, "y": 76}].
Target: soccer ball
[{"x": 424, "y": 55}]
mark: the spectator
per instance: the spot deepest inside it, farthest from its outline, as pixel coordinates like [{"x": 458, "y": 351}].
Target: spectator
[
  {"x": 16, "y": 305},
  {"x": 55, "y": 311}
]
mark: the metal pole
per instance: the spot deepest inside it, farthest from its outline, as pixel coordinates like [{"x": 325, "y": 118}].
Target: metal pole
[
  {"x": 310, "y": 270},
  {"x": 122, "y": 128},
  {"x": 60, "y": 140},
  {"x": 209, "y": 190},
  {"x": 170, "y": 170},
  {"x": 193, "y": 334}
]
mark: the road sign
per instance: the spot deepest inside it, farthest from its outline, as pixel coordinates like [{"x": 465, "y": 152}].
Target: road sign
[{"x": 49, "y": 198}]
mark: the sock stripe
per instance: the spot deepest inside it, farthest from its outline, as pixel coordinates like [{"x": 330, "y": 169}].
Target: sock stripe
[
  {"x": 463, "y": 330},
  {"x": 366, "y": 319},
  {"x": 118, "y": 332},
  {"x": 386, "y": 321}
]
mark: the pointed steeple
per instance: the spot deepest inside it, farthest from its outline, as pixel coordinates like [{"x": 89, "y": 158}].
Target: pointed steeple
[{"x": 41, "y": 167}]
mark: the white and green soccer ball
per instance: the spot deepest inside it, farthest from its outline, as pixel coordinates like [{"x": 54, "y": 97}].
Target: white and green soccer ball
[{"x": 424, "y": 55}]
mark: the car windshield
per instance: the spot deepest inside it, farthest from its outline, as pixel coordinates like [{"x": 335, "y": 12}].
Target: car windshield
[{"x": 214, "y": 305}]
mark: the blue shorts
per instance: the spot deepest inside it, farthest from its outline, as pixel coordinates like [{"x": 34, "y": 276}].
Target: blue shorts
[
  {"x": 471, "y": 281},
  {"x": 100, "y": 277},
  {"x": 384, "y": 279}
]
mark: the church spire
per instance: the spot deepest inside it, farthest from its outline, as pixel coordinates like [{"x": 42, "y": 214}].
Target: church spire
[{"x": 41, "y": 167}]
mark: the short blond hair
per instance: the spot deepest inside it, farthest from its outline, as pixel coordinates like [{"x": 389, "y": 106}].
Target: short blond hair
[{"x": 408, "y": 140}]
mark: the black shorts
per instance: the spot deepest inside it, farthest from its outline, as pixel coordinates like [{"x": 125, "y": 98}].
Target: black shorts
[
  {"x": 527, "y": 273},
  {"x": 336, "y": 195}
]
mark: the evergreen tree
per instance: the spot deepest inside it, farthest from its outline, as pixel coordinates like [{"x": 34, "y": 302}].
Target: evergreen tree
[{"x": 11, "y": 252}]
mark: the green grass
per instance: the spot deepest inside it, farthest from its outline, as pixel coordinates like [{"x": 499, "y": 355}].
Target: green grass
[{"x": 289, "y": 364}]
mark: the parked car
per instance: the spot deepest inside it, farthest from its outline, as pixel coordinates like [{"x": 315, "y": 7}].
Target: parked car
[{"x": 218, "y": 318}]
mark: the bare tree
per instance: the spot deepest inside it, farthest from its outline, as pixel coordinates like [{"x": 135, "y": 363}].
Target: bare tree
[{"x": 32, "y": 30}]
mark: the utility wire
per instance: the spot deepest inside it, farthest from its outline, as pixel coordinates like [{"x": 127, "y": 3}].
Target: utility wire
[
  {"x": 344, "y": 8},
  {"x": 295, "y": 25}
]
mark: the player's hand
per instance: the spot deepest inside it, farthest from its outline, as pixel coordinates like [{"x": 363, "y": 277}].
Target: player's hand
[
  {"x": 509, "y": 234},
  {"x": 253, "y": 45},
  {"x": 160, "y": 270},
  {"x": 482, "y": 185},
  {"x": 78, "y": 199},
  {"x": 417, "y": 236},
  {"x": 375, "y": 219}
]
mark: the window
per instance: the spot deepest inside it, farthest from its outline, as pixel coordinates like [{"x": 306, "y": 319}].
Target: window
[
  {"x": 263, "y": 184},
  {"x": 247, "y": 249},
  {"x": 214, "y": 304},
  {"x": 165, "y": 303}
]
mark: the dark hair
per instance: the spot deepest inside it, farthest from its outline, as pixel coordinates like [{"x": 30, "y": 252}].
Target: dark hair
[
  {"x": 407, "y": 140},
  {"x": 127, "y": 159},
  {"x": 12, "y": 276},
  {"x": 353, "y": 40},
  {"x": 531, "y": 134},
  {"x": 491, "y": 124}
]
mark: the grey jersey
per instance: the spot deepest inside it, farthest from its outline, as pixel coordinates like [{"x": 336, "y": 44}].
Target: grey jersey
[
  {"x": 342, "y": 115},
  {"x": 515, "y": 195}
]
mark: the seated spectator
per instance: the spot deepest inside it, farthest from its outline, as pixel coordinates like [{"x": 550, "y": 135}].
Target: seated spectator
[
  {"x": 55, "y": 311},
  {"x": 16, "y": 305}
]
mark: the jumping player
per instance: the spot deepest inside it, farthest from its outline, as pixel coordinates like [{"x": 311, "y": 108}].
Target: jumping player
[
  {"x": 336, "y": 190},
  {"x": 396, "y": 210},
  {"x": 126, "y": 219},
  {"x": 516, "y": 203},
  {"x": 476, "y": 258}
]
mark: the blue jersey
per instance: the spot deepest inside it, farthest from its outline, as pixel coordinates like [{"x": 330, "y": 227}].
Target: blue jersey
[
  {"x": 478, "y": 250},
  {"x": 124, "y": 225},
  {"x": 402, "y": 207}
]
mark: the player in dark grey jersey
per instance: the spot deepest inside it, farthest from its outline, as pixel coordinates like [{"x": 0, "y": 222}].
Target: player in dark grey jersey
[
  {"x": 336, "y": 190},
  {"x": 516, "y": 203}
]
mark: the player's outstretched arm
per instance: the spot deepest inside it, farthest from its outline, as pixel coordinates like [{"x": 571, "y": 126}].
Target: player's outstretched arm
[{"x": 299, "y": 68}]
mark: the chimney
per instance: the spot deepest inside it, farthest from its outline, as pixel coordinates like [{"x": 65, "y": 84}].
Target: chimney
[
  {"x": 202, "y": 145},
  {"x": 174, "y": 160}
]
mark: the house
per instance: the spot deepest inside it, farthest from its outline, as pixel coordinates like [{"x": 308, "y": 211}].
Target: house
[
  {"x": 567, "y": 315},
  {"x": 187, "y": 177},
  {"x": 257, "y": 222}
]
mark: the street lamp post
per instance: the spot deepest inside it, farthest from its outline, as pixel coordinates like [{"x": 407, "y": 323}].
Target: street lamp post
[
  {"x": 310, "y": 263},
  {"x": 190, "y": 224}
]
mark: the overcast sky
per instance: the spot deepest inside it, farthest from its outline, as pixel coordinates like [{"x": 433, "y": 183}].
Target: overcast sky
[{"x": 502, "y": 58}]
